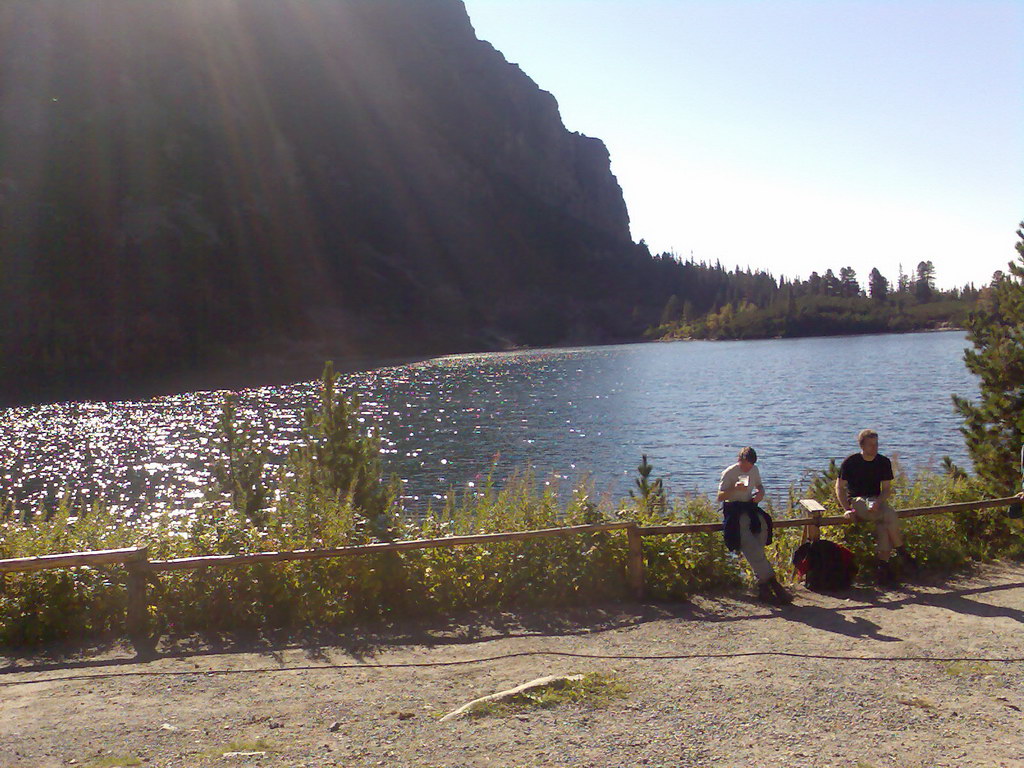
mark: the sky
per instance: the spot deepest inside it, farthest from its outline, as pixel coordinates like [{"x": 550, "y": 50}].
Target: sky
[{"x": 794, "y": 136}]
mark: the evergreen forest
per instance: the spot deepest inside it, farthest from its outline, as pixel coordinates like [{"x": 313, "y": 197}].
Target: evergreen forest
[{"x": 711, "y": 302}]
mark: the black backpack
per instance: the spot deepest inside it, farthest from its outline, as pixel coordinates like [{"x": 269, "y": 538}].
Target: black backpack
[{"x": 825, "y": 566}]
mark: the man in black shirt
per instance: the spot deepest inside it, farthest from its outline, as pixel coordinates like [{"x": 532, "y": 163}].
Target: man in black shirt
[{"x": 863, "y": 489}]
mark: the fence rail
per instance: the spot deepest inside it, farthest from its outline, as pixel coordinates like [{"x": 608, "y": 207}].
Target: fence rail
[
  {"x": 73, "y": 560},
  {"x": 140, "y": 568},
  {"x": 191, "y": 563},
  {"x": 796, "y": 522}
]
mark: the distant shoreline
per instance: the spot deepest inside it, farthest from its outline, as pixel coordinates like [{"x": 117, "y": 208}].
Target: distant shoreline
[{"x": 849, "y": 334}]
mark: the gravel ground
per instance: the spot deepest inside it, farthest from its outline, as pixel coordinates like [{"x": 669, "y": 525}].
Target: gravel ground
[{"x": 926, "y": 675}]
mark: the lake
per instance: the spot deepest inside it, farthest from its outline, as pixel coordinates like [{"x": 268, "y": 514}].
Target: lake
[{"x": 564, "y": 414}]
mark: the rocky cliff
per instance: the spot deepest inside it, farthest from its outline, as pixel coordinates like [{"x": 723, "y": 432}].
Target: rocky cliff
[{"x": 186, "y": 180}]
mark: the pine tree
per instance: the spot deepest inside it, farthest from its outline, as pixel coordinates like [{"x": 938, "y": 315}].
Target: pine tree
[
  {"x": 831, "y": 283},
  {"x": 994, "y": 426},
  {"x": 848, "y": 285},
  {"x": 239, "y": 474},
  {"x": 338, "y": 456},
  {"x": 651, "y": 496},
  {"x": 814, "y": 284},
  {"x": 903, "y": 281},
  {"x": 924, "y": 286},
  {"x": 878, "y": 286}
]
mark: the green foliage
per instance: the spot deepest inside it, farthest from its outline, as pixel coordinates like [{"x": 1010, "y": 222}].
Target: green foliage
[
  {"x": 817, "y": 315},
  {"x": 594, "y": 690},
  {"x": 878, "y": 286},
  {"x": 994, "y": 426},
  {"x": 61, "y": 604},
  {"x": 924, "y": 286},
  {"x": 548, "y": 571},
  {"x": 240, "y": 473},
  {"x": 572, "y": 569},
  {"x": 681, "y": 566},
  {"x": 718, "y": 304},
  {"x": 337, "y": 458},
  {"x": 952, "y": 469},
  {"x": 968, "y": 669},
  {"x": 651, "y": 493}
]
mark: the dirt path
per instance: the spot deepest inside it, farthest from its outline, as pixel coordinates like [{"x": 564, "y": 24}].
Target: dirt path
[{"x": 908, "y": 677}]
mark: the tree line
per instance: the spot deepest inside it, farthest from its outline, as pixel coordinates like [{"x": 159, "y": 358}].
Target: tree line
[{"x": 712, "y": 302}]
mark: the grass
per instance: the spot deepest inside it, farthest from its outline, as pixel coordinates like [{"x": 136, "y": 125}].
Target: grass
[
  {"x": 594, "y": 690},
  {"x": 968, "y": 668}
]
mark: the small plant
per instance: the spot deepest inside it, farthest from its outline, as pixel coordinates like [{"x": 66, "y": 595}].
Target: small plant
[
  {"x": 651, "y": 494},
  {"x": 594, "y": 690},
  {"x": 968, "y": 668},
  {"x": 240, "y": 473},
  {"x": 952, "y": 469},
  {"x": 337, "y": 457}
]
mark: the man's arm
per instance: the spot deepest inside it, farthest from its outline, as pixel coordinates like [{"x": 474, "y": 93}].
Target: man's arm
[
  {"x": 723, "y": 492},
  {"x": 843, "y": 493},
  {"x": 758, "y": 494},
  {"x": 886, "y": 490},
  {"x": 726, "y": 495}
]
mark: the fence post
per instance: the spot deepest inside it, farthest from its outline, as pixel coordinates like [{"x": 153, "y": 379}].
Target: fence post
[
  {"x": 637, "y": 580},
  {"x": 812, "y": 531},
  {"x": 138, "y": 606}
]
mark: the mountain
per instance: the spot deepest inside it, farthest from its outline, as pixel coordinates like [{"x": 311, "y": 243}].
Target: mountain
[{"x": 191, "y": 183}]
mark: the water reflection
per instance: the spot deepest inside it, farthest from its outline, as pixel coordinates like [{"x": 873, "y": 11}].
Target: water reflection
[{"x": 453, "y": 421}]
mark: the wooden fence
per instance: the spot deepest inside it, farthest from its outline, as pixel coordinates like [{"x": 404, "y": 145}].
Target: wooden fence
[{"x": 140, "y": 568}]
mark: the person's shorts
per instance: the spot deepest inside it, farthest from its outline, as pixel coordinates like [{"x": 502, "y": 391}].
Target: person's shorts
[{"x": 869, "y": 509}]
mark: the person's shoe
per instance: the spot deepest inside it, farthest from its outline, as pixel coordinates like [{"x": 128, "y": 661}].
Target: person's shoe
[
  {"x": 766, "y": 594},
  {"x": 884, "y": 576},
  {"x": 781, "y": 593}
]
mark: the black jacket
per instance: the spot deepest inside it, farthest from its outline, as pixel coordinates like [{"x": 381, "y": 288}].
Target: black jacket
[{"x": 734, "y": 512}]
